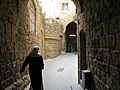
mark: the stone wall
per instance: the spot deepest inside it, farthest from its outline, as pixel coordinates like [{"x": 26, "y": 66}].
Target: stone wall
[
  {"x": 40, "y": 23},
  {"x": 53, "y": 38},
  {"x": 67, "y": 16},
  {"x": 16, "y": 41},
  {"x": 100, "y": 19}
]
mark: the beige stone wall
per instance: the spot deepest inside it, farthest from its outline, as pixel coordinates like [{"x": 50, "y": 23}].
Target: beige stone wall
[
  {"x": 40, "y": 20},
  {"x": 53, "y": 38},
  {"x": 16, "y": 40},
  {"x": 67, "y": 16}
]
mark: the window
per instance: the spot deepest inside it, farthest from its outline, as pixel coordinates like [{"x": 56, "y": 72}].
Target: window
[
  {"x": 64, "y": 6},
  {"x": 32, "y": 17}
]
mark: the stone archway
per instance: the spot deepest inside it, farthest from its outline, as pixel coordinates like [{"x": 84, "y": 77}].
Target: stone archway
[
  {"x": 71, "y": 37},
  {"x": 82, "y": 50}
]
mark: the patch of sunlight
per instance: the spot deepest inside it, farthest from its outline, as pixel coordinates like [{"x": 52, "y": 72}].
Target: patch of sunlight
[{"x": 50, "y": 8}]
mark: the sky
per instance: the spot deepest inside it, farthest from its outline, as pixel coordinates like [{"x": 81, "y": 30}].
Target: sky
[{"x": 50, "y": 8}]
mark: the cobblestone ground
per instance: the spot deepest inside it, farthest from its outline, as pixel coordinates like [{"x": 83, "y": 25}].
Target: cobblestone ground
[{"x": 60, "y": 73}]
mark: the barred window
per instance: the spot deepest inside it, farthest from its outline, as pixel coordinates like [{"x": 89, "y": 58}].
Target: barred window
[{"x": 32, "y": 17}]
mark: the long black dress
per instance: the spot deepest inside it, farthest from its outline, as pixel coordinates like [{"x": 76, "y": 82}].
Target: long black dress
[{"x": 35, "y": 70}]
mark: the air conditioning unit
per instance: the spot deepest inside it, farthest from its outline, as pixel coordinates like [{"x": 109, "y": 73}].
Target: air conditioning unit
[{"x": 86, "y": 79}]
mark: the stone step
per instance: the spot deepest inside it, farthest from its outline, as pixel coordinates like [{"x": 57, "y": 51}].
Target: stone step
[{"x": 76, "y": 87}]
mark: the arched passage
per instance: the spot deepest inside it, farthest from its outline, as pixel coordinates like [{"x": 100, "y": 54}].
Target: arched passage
[{"x": 71, "y": 37}]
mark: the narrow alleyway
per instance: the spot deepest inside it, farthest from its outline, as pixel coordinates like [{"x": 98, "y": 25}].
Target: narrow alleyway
[
  {"x": 60, "y": 73},
  {"x": 89, "y": 27}
]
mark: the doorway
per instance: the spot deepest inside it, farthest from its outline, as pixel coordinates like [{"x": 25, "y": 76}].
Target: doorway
[
  {"x": 82, "y": 52},
  {"x": 71, "y": 37}
]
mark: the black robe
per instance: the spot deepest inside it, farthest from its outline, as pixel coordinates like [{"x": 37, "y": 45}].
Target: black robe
[{"x": 35, "y": 70}]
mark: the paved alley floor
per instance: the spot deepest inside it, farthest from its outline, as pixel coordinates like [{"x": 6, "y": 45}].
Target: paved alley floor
[{"x": 60, "y": 73}]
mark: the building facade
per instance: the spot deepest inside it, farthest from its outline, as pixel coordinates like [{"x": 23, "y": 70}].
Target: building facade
[
  {"x": 56, "y": 27},
  {"x": 53, "y": 38},
  {"x": 67, "y": 12}
]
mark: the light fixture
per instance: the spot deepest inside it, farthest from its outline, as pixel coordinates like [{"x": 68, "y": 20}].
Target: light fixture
[{"x": 72, "y": 35}]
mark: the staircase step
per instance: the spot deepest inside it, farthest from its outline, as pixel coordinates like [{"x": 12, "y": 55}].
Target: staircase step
[{"x": 76, "y": 87}]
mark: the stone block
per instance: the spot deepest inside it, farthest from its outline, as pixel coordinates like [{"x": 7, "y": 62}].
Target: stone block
[
  {"x": 103, "y": 43},
  {"x": 115, "y": 58},
  {"x": 13, "y": 71},
  {"x": 99, "y": 65},
  {"x": 118, "y": 41},
  {"x": 106, "y": 28},
  {"x": 105, "y": 67},
  {"x": 96, "y": 80},
  {"x": 99, "y": 55},
  {"x": 9, "y": 66},
  {"x": 3, "y": 68},
  {"x": 2, "y": 76},
  {"x": 111, "y": 41},
  {"x": 14, "y": 30},
  {"x": 8, "y": 28},
  {"x": 96, "y": 43},
  {"x": 2, "y": 27},
  {"x": 98, "y": 73},
  {"x": 5, "y": 83},
  {"x": 106, "y": 55},
  {"x": 14, "y": 64},
  {"x": 116, "y": 85},
  {"x": 104, "y": 76},
  {"x": 19, "y": 82},
  {"x": 7, "y": 74},
  {"x": 113, "y": 71},
  {"x": 110, "y": 81}
]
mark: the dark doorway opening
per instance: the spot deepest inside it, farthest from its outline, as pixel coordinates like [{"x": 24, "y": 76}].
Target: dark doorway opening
[
  {"x": 82, "y": 53},
  {"x": 71, "y": 37}
]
